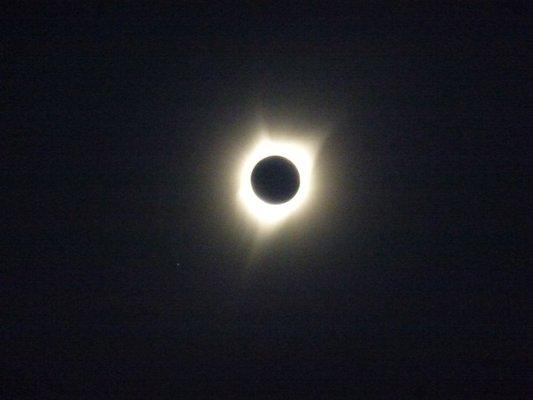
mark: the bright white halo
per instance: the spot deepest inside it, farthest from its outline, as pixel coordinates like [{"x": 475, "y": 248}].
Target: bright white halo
[{"x": 300, "y": 154}]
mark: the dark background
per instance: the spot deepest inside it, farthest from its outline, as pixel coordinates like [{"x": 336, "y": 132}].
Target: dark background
[{"x": 127, "y": 273}]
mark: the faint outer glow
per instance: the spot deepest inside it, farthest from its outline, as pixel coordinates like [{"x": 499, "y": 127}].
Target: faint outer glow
[{"x": 300, "y": 154}]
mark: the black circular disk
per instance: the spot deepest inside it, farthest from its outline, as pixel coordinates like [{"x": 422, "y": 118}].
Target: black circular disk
[{"x": 275, "y": 180}]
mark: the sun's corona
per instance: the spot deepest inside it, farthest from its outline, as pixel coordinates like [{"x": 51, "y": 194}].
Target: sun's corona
[{"x": 300, "y": 154}]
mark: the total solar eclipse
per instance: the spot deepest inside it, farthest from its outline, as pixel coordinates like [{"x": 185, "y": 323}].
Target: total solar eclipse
[{"x": 275, "y": 179}]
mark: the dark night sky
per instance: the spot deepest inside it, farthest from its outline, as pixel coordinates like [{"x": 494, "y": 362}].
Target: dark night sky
[{"x": 122, "y": 127}]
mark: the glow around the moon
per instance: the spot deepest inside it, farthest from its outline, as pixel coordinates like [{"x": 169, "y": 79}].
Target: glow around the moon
[{"x": 301, "y": 154}]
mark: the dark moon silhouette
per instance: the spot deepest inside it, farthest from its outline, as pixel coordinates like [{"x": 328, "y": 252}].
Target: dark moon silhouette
[{"x": 275, "y": 180}]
